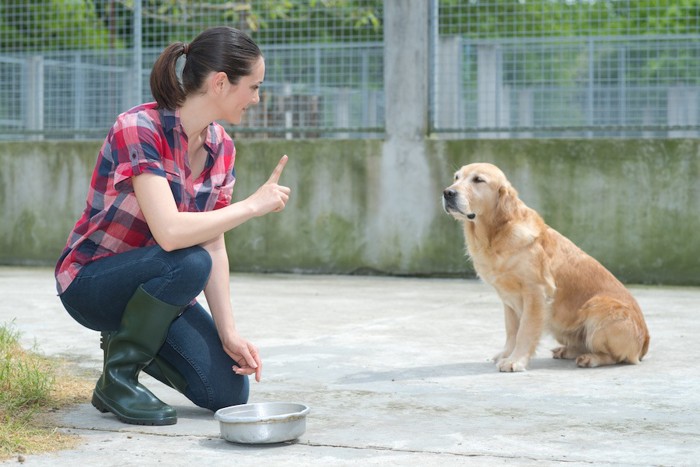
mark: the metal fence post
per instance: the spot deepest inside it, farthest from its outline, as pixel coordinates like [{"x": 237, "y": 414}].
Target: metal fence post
[
  {"x": 34, "y": 100},
  {"x": 137, "y": 90},
  {"x": 590, "y": 88},
  {"x": 78, "y": 93},
  {"x": 487, "y": 85}
]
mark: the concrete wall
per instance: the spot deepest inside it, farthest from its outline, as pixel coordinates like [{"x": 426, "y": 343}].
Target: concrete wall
[{"x": 634, "y": 205}]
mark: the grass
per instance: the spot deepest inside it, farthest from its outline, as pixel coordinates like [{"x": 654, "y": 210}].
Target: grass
[{"x": 32, "y": 387}]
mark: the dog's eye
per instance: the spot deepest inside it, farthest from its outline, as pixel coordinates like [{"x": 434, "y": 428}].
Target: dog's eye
[
  {"x": 478, "y": 179},
  {"x": 456, "y": 177}
]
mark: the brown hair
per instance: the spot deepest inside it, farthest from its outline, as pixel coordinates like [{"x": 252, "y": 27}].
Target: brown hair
[{"x": 216, "y": 49}]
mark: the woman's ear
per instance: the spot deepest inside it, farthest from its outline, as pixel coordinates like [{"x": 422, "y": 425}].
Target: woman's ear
[{"x": 218, "y": 82}]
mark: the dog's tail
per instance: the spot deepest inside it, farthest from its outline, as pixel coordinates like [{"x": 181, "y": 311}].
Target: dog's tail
[{"x": 645, "y": 347}]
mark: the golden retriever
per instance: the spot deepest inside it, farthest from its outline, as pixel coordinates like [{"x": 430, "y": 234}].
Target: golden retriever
[{"x": 546, "y": 283}]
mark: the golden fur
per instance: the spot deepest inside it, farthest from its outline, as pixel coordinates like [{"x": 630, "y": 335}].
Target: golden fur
[{"x": 546, "y": 283}]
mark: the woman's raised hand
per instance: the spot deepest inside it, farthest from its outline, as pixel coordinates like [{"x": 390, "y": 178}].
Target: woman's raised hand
[{"x": 271, "y": 196}]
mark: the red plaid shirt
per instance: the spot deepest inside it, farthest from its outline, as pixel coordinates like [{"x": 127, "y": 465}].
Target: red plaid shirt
[{"x": 143, "y": 139}]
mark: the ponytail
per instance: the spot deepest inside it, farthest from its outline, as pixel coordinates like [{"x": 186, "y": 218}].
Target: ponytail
[{"x": 165, "y": 85}]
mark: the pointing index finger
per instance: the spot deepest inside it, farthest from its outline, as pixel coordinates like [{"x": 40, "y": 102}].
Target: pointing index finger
[{"x": 275, "y": 177}]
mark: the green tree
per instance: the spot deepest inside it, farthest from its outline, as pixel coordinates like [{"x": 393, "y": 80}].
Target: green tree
[
  {"x": 572, "y": 18},
  {"x": 268, "y": 21},
  {"x": 50, "y": 25}
]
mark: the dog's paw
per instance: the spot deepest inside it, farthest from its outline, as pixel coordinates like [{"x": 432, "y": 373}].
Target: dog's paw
[
  {"x": 558, "y": 352},
  {"x": 508, "y": 365},
  {"x": 588, "y": 360},
  {"x": 562, "y": 353},
  {"x": 502, "y": 355}
]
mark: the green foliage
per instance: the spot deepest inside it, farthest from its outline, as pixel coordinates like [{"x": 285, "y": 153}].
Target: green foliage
[
  {"x": 51, "y": 25},
  {"x": 24, "y": 386},
  {"x": 27, "y": 388},
  {"x": 108, "y": 24},
  {"x": 571, "y": 29},
  {"x": 96, "y": 24},
  {"x": 303, "y": 21},
  {"x": 568, "y": 18},
  {"x": 268, "y": 21},
  {"x": 24, "y": 379}
]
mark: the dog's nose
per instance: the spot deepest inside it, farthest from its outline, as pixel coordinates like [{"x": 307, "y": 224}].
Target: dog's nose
[{"x": 449, "y": 194}]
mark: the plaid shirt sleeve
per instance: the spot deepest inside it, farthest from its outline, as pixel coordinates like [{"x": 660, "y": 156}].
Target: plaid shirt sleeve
[{"x": 135, "y": 149}]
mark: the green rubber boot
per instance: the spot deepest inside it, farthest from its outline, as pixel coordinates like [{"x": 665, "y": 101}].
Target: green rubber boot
[
  {"x": 159, "y": 368},
  {"x": 167, "y": 374},
  {"x": 129, "y": 350}
]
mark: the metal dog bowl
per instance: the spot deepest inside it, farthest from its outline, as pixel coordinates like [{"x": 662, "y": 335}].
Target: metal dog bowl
[{"x": 262, "y": 423}]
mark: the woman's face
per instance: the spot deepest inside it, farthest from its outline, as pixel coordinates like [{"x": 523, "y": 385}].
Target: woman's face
[{"x": 238, "y": 97}]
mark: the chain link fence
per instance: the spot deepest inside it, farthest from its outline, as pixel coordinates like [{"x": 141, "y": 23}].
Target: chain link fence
[
  {"x": 558, "y": 68},
  {"x": 67, "y": 68},
  {"x": 501, "y": 68}
]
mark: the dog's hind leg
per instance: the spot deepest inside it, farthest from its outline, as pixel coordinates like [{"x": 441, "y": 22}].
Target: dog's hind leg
[
  {"x": 567, "y": 353},
  {"x": 573, "y": 345},
  {"x": 592, "y": 360},
  {"x": 611, "y": 334}
]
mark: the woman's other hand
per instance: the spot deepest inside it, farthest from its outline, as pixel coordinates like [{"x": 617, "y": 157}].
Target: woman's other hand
[{"x": 244, "y": 354}]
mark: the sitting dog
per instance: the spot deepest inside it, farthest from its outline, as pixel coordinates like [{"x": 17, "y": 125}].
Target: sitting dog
[{"x": 546, "y": 283}]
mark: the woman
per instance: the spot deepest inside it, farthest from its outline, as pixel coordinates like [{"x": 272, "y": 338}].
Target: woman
[{"x": 152, "y": 236}]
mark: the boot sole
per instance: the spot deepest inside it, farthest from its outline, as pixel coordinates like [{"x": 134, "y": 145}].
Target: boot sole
[{"x": 104, "y": 407}]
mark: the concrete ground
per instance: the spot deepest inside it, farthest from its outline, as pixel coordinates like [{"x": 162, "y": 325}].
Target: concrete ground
[{"x": 397, "y": 372}]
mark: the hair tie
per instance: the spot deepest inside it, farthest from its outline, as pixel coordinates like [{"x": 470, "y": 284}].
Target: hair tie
[{"x": 186, "y": 50}]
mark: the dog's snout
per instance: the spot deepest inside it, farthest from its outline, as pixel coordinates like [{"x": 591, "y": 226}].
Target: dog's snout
[{"x": 449, "y": 194}]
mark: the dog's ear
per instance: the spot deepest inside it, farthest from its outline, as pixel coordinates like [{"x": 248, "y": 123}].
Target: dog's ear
[{"x": 507, "y": 203}]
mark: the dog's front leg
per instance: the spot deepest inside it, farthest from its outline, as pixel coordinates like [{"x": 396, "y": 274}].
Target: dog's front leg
[
  {"x": 528, "y": 334},
  {"x": 512, "y": 323}
]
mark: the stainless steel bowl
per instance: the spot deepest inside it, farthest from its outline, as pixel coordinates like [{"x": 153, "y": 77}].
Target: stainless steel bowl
[{"x": 263, "y": 422}]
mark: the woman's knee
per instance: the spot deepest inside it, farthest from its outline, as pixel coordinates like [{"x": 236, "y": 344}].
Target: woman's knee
[
  {"x": 227, "y": 391},
  {"x": 183, "y": 275},
  {"x": 236, "y": 394},
  {"x": 195, "y": 262}
]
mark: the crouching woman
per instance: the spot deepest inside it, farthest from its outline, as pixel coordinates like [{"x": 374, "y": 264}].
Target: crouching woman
[{"x": 151, "y": 237}]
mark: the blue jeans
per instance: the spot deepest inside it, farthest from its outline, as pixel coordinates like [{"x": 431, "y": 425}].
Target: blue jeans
[{"x": 98, "y": 296}]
